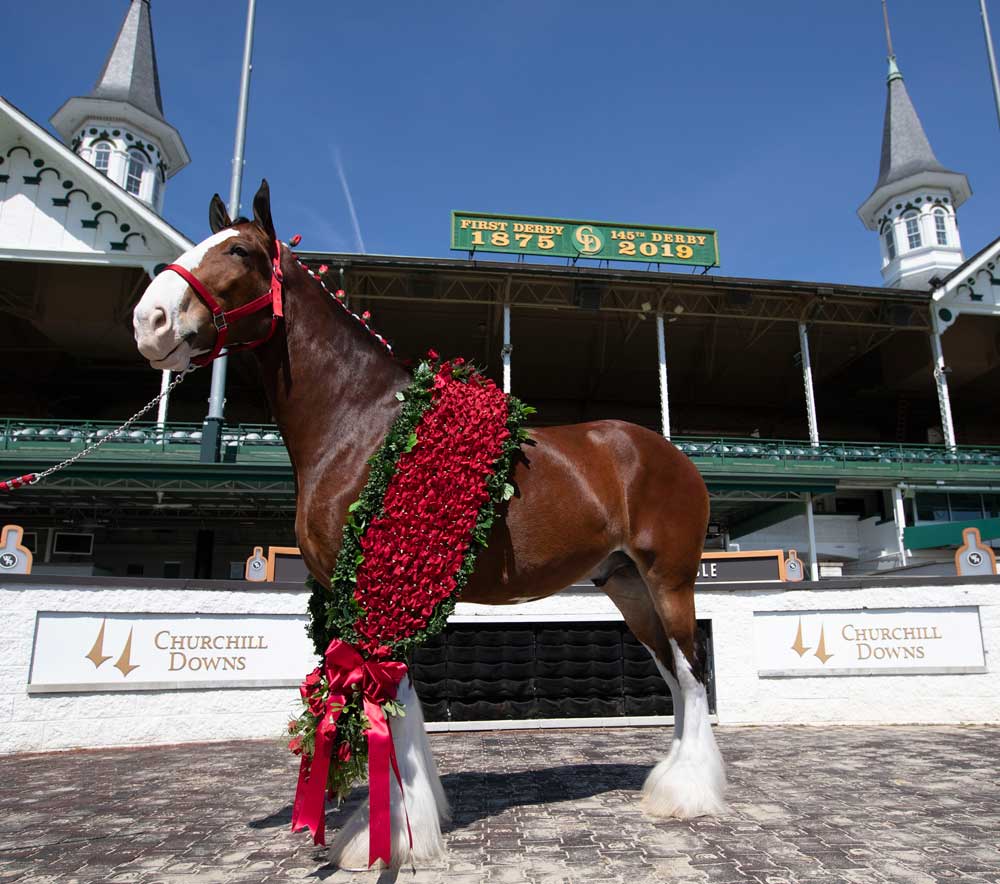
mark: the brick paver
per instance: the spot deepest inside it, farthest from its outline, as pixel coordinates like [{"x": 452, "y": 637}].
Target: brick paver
[{"x": 906, "y": 805}]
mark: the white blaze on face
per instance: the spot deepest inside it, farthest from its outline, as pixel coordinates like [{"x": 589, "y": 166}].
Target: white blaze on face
[{"x": 159, "y": 328}]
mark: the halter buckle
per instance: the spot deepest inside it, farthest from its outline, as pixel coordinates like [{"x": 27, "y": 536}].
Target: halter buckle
[{"x": 219, "y": 320}]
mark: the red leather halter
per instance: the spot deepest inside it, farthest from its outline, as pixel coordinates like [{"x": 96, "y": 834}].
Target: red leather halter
[{"x": 222, "y": 318}]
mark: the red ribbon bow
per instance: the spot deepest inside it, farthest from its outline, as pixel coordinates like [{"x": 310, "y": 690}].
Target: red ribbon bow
[{"x": 344, "y": 668}]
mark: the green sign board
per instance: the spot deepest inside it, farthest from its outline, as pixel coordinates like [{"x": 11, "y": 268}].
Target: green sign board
[
  {"x": 565, "y": 238},
  {"x": 948, "y": 533}
]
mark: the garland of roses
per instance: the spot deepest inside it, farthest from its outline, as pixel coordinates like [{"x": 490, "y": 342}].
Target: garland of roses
[{"x": 411, "y": 540}]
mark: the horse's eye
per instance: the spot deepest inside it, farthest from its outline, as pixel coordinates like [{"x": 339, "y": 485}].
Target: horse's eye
[{"x": 239, "y": 250}]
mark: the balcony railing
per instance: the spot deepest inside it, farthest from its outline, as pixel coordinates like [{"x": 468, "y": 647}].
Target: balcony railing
[
  {"x": 725, "y": 454},
  {"x": 26, "y": 441}
]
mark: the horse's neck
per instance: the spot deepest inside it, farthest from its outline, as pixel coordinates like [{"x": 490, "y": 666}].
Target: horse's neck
[{"x": 331, "y": 386}]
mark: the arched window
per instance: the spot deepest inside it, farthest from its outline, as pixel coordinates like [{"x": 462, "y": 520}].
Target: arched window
[
  {"x": 912, "y": 230},
  {"x": 940, "y": 226},
  {"x": 102, "y": 156},
  {"x": 890, "y": 242},
  {"x": 137, "y": 163}
]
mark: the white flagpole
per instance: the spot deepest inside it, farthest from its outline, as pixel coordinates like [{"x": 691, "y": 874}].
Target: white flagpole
[
  {"x": 990, "y": 56},
  {"x": 212, "y": 431}
]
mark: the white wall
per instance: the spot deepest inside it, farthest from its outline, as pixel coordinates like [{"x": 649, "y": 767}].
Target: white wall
[
  {"x": 61, "y": 721},
  {"x": 878, "y": 547},
  {"x": 836, "y": 537},
  {"x": 744, "y": 698}
]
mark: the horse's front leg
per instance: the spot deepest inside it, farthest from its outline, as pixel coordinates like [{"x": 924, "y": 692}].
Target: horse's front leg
[{"x": 426, "y": 804}]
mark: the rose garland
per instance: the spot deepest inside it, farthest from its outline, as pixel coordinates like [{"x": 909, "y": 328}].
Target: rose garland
[{"x": 409, "y": 546}]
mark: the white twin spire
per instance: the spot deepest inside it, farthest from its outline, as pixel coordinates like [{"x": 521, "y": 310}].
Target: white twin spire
[
  {"x": 913, "y": 203},
  {"x": 119, "y": 127}
]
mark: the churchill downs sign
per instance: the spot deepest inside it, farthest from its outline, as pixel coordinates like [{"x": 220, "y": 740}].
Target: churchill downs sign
[
  {"x": 884, "y": 641},
  {"x": 129, "y": 652},
  {"x": 564, "y": 238}
]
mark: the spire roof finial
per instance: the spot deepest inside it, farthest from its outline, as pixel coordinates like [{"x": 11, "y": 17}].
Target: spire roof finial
[
  {"x": 130, "y": 73},
  {"x": 888, "y": 33},
  {"x": 894, "y": 73}
]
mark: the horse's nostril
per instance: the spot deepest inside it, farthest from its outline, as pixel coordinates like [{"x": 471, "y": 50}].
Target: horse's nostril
[{"x": 157, "y": 319}]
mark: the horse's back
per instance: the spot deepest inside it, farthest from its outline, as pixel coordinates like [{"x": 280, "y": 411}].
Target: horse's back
[{"x": 584, "y": 491}]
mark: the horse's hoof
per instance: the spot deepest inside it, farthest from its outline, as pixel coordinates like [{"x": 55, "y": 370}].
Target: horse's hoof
[
  {"x": 349, "y": 848},
  {"x": 684, "y": 790}
]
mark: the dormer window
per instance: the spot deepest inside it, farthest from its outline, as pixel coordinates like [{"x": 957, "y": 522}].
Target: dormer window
[
  {"x": 137, "y": 163},
  {"x": 102, "y": 157},
  {"x": 912, "y": 221},
  {"x": 940, "y": 226}
]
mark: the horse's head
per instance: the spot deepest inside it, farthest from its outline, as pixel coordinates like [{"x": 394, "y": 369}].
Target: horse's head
[{"x": 174, "y": 323}]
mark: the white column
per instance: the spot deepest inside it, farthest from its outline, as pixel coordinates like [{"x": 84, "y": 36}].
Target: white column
[
  {"x": 928, "y": 232},
  {"x": 941, "y": 382},
  {"x": 506, "y": 350},
  {"x": 951, "y": 223},
  {"x": 807, "y": 380},
  {"x": 899, "y": 515},
  {"x": 811, "y": 531},
  {"x": 661, "y": 348},
  {"x": 161, "y": 411}
]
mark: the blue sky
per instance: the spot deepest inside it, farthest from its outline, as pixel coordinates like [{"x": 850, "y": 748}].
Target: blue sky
[{"x": 762, "y": 120}]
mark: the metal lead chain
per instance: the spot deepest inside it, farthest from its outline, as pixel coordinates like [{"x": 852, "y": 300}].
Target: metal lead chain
[{"x": 32, "y": 478}]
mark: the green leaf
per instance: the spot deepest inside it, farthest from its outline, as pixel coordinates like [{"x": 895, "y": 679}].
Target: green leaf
[
  {"x": 508, "y": 491},
  {"x": 411, "y": 442},
  {"x": 401, "y": 396},
  {"x": 354, "y": 506},
  {"x": 528, "y": 409}
]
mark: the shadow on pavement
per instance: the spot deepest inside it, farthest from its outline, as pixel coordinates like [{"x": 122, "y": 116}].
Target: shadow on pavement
[{"x": 476, "y": 795}]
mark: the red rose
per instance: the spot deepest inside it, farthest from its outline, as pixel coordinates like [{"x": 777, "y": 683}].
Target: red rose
[
  {"x": 295, "y": 745},
  {"x": 344, "y": 752}
]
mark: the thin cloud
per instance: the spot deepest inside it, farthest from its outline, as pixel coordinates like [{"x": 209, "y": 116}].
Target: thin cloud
[{"x": 350, "y": 200}]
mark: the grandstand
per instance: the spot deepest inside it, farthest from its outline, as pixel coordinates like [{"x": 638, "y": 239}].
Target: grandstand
[{"x": 823, "y": 416}]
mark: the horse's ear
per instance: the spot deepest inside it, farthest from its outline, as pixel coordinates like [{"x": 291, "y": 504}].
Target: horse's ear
[
  {"x": 262, "y": 210},
  {"x": 218, "y": 216}
]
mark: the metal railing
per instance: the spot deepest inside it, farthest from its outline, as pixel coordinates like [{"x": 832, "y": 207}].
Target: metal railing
[
  {"x": 22, "y": 439},
  {"x": 797, "y": 456}
]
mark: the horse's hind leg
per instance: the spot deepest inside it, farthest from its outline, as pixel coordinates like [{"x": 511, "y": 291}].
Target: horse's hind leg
[
  {"x": 426, "y": 805},
  {"x": 691, "y": 780}
]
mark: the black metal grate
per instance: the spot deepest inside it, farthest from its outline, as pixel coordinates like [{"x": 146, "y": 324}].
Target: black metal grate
[{"x": 503, "y": 671}]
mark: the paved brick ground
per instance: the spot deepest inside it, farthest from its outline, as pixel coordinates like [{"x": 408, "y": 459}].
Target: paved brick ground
[{"x": 857, "y": 805}]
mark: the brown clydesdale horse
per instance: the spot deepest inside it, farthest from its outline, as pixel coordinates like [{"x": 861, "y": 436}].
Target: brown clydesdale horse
[{"x": 609, "y": 501}]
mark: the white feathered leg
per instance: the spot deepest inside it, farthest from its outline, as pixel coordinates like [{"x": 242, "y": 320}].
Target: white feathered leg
[
  {"x": 691, "y": 780},
  {"x": 425, "y": 799}
]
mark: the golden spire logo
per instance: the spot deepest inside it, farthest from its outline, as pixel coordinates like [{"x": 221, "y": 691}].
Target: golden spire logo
[
  {"x": 820, "y": 648},
  {"x": 124, "y": 664},
  {"x": 800, "y": 647},
  {"x": 97, "y": 656}
]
